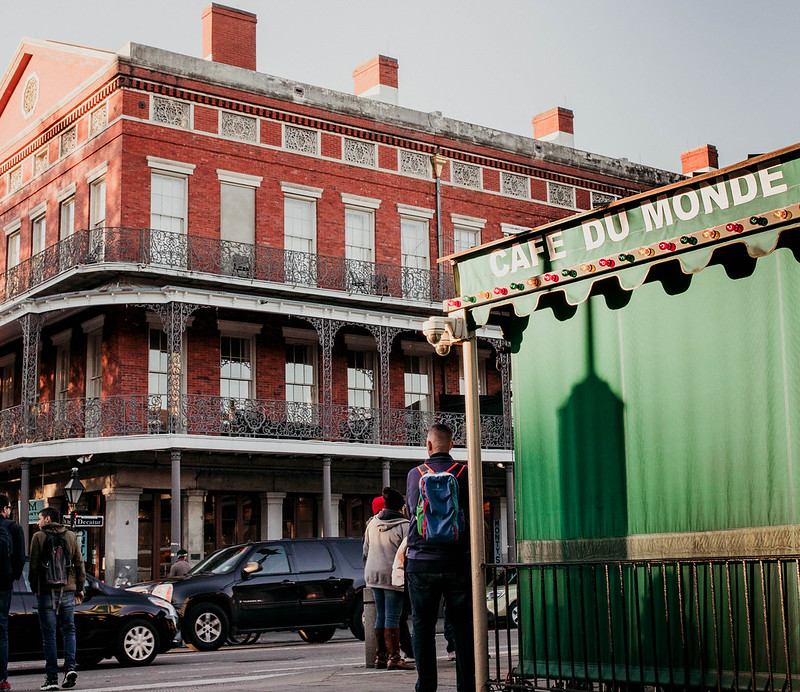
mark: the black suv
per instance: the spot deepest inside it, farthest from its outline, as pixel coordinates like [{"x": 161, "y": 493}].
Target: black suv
[{"x": 312, "y": 585}]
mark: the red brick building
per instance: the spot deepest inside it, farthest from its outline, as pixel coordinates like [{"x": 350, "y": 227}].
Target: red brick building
[{"x": 213, "y": 282}]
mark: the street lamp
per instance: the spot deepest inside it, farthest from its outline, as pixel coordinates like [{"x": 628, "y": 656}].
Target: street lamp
[{"x": 73, "y": 490}]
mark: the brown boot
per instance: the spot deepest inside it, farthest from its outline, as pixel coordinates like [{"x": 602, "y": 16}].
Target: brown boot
[
  {"x": 380, "y": 643},
  {"x": 395, "y": 660}
]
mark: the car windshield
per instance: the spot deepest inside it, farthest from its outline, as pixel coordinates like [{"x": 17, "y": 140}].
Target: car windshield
[{"x": 221, "y": 562}]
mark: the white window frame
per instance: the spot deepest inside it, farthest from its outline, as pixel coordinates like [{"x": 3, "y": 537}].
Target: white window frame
[
  {"x": 38, "y": 217},
  {"x": 426, "y": 363},
  {"x": 62, "y": 370},
  {"x": 366, "y": 206},
  {"x": 246, "y": 331},
  {"x": 467, "y": 224},
  {"x": 483, "y": 358},
  {"x": 13, "y": 243},
  {"x": 155, "y": 323},
  {"x": 66, "y": 199}
]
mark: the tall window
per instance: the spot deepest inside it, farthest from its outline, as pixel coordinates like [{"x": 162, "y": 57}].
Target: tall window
[
  {"x": 7, "y": 382},
  {"x": 415, "y": 258},
  {"x": 39, "y": 234},
  {"x": 12, "y": 250},
  {"x": 236, "y": 368},
  {"x": 359, "y": 235},
  {"x": 417, "y": 382},
  {"x": 237, "y": 222},
  {"x": 301, "y": 382},
  {"x": 168, "y": 203},
  {"x": 97, "y": 211},
  {"x": 361, "y": 379},
  {"x": 94, "y": 364},
  {"x": 300, "y": 233},
  {"x": 157, "y": 358},
  {"x": 62, "y": 371},
  {"x": 66, "y": 219},
  {"x": 169, "y": 184},
  {"x": 465, "y": 238},
  {"x": 97, "y": 218}
]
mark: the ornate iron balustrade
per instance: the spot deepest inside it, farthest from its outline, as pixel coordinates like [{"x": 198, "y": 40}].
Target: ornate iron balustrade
[
  {"x": 170, "y": 250},
  {"x": 211, "y": 415},
  {"x": 712, "y": 624}
]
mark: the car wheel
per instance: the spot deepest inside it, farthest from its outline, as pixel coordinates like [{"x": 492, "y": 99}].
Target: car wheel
[
  {"x": 317, "y": 635},
  {"x": 137, "y": 643},
  {"x": 514, "y": 610},
  {"x": 357, "y": 622},
  {"x": 206, "y": 627}
]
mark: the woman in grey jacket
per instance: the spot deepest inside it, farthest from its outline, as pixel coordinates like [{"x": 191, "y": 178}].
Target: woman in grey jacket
[{"x": 385, "y": 531}]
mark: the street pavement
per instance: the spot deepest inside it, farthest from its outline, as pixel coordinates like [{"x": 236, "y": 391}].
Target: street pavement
[{"x": 279, "y": 661}]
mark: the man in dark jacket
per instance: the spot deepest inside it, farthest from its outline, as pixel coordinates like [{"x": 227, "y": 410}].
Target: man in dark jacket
[
  {"x": 7, "y": 584},
  {"x": 436, "y": 570},
  {"x": 56, "y": 606}
]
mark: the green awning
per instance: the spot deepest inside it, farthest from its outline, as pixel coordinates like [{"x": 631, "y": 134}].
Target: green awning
[{"x": 687, "y": 224}]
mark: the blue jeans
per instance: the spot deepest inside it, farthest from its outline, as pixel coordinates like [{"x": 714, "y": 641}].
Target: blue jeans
[
  {"x": 48, "y": 619},
  {"x": 388, "y": 606},
  {"x": 426, "y": 590},
  {"x": 5, "y": 605}
]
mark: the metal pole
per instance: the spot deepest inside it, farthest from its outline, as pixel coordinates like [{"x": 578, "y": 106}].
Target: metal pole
[
  {"x": 386, "y": 465},
  {"x": 175, "y": 505},
  {"x": 24, "y": 498},
  {"x": 477, "y": 549},
  {"x": 511, "y": 511},
  {"x": 327, "y": 526}
]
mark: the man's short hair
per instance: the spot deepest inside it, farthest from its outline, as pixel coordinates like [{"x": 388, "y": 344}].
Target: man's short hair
[
  {"x": 53, "y": 513},
  {"x": 441, "y": 432},
  {"x": 4, "y": 501},
  {"x": 182, "y": 553}
]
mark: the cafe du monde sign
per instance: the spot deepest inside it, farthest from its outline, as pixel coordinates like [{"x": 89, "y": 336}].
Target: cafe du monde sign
[{"x": 755, "y": 197}]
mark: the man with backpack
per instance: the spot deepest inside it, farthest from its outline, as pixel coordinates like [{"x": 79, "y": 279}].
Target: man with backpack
[
  {"x": 438, "y": 563},
  {"x": 57, "y": 576},
  {"x": 12, "y": 559}
]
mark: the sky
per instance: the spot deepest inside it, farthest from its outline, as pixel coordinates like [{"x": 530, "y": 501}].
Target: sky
[{"x": 646, "y": 79}]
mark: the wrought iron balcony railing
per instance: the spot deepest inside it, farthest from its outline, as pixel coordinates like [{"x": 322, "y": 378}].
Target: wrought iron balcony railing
[
  {"x": 170, "y": 251},
  {"x": 211, "y": 415}
]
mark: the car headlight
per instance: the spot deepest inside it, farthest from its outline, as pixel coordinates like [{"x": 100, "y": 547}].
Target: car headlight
[
  {"x": 163, "y": 591},
  {"x": 166, "y": 605}
]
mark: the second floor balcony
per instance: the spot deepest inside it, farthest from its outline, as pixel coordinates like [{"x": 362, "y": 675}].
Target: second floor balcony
[
  {"x": 117, "y": 416},
  {"x": 170, "y": 252}
]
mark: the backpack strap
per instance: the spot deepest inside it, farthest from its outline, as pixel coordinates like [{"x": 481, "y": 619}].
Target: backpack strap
[
  {"x": 450, "y": 470},
  {"x": 424, "y": 469}
]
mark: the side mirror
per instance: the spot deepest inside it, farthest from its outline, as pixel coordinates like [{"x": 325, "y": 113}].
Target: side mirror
[{"x": 251, "y": 568}]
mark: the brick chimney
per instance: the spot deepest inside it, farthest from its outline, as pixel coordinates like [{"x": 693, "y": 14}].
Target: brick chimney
[
  {"x": 229, "y": 36},
  {"x": 377, "y": 79},
  {"x": 555, "y": 126},
  {"x": 700, "y": 160}
]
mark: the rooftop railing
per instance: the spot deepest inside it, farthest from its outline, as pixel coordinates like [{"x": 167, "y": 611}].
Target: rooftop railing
[
  {"x": 251, "y": 418},
  {"x": 178, "y": 251}
]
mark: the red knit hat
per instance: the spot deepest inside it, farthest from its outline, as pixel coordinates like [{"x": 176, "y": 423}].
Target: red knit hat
[{"x": 378, "y": 504}]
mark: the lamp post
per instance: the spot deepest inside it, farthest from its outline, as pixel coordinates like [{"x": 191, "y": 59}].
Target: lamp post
[
  {"x": 442, "y": 333},
  {"x": 73, "y": 490}
]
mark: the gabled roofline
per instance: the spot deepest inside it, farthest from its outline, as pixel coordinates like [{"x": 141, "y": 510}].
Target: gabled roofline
[{"x": 26, "y": 49}]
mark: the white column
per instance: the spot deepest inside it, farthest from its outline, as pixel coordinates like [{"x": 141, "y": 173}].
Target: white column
[
  {"x": 336, "y": 498},
  {"x": 511, "y": 527},
  {"x": 192, "y": 524},
  {"x": 503, "y": 522},
  {"x": 272, "y": 516},
  {"x": 122, "y": 535},
  {"x": 327, "y": 523},
  {"x": 386, "y": 465}
]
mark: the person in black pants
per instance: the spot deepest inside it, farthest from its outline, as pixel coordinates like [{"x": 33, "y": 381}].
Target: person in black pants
[
  {"x": 17, "y": 560},
  {"x": 436, "y": 570}
]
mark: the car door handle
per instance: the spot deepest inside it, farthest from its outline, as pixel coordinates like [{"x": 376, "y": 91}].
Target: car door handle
[{"x": 287, "y": 581}]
